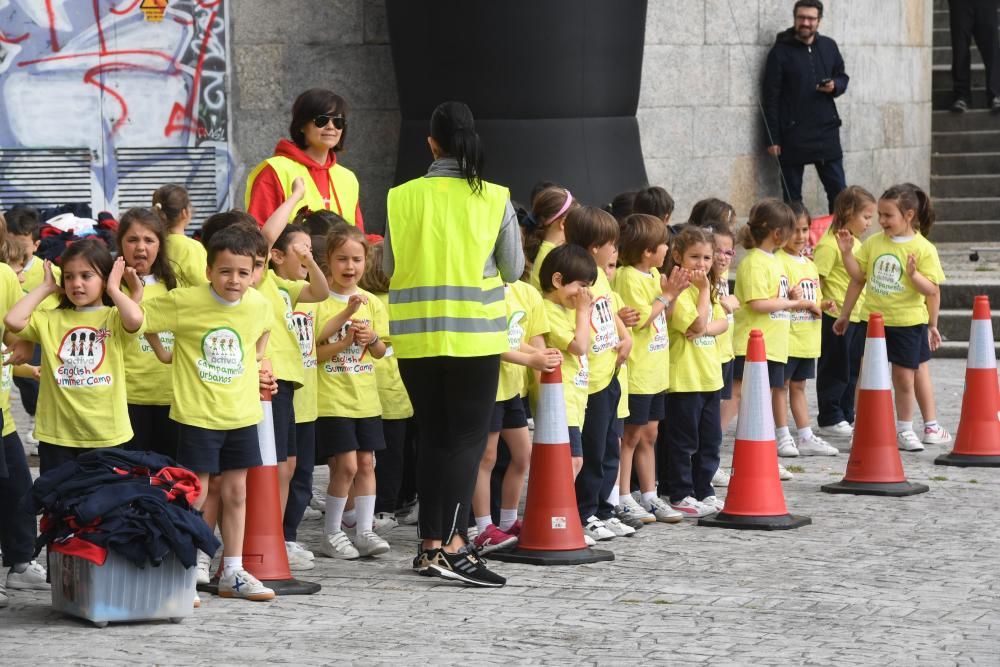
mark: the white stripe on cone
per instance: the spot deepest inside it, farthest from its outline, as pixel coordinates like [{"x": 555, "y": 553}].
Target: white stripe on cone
[
  {"x": 981, "y": 351},
  {"x": 756, "y": 420},
  {"x": 265, "y": 436},
  {"x": 550, "y": 422},
  {"x": 875, "y": 366}
]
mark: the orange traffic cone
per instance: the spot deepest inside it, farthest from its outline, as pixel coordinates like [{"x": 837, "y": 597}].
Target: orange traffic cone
[
  {"x": 978, "y": 440},
  {"x": 755, "y": 500},
  {"x": 551, "y": 533},
  {"x": 875, "y": 467}
]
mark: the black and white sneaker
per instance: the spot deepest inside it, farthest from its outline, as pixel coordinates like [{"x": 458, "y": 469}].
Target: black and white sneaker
[{"x": 466, "y": 567}]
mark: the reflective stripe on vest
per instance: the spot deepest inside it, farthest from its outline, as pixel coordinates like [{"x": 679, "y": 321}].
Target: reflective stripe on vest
[
  {"x": 344, "y": 189},
  {"x": 448, "y": 292}
]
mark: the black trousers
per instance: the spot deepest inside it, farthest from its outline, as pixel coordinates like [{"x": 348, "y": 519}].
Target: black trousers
[
  {"x": 693, "y": 440},
  {"x": 300, "y": 486},
  {"x": 17, "y": 523},
  {"x": 152, "y": 430},
  {"x": 453, "y": 400},
  {"x": 974, "y": 19},
  {"x": 389, "y": 462},
  {"x": 837, "y": 371},
  {"x": 831, "y": 175}
]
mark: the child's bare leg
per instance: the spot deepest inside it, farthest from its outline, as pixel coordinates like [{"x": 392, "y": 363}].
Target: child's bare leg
[
  {"x": 797, "y": 399},
  {"x": 519, "y": 442},
  {"x": 234, "y": 510},
  {"x": 630, "y": 440},
  {"x": 902, "y": 383},
  {"x": 644, "y": 460},
  {"x": 481, "y": 495}
]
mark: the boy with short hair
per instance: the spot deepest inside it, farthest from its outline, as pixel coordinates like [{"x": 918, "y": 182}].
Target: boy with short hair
[{"x": 216, "y": 391}]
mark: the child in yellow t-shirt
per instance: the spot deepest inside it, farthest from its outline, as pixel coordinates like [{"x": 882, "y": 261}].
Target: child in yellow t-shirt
[
  {"x": 902, "y": 272},
  {"x": 694, "y": 438},
  {"x": 187, "y": 256},
  {"x": 839, "y": 362},
  {"x": 547, "y": 227},
  {"x": 725, "y": 242},
  {"x": 349, "y": 426},
  {"x": 803, "y": 345},
  {"x": 643, "y": 248}
]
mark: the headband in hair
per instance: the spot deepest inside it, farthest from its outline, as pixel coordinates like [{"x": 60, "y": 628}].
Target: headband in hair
[{"x": 562, "y": 211}]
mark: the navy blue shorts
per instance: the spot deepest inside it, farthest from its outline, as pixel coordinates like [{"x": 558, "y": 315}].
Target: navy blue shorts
[
  {"x": 339, "y": 435},
  {"x": 907, "y": 346},
  {"x": 283, "y": 412},
  {"x": 800, "y": 369},
  {"x": 727, "y": 380},
  {"x": 208, "y": 450},
  {"x": 508, "y": 414},
  {"x": 775, "y": 372},
  {"x": 645, "y": 408},
  {"x": 575, "y": 442}
]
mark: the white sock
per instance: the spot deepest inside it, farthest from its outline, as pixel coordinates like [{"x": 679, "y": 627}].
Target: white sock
[
  {"x": 613, "y": 498},
  {"x": 622, "y": 499},
  {"x": 903, "y": 426},
  {"x": 932, "y": 424},
  {"x": 805, "y": 434},
  {"x": 334, "y": 513},
  {"x": 507, "y": 519},
  {"x": 365, "y": 505},
  {"x": 483, "y": 522},
  {"x": 231, "y": 564},
  {"x": 350, "y": 518},
  {"x": 782, "y": 432},
  {"x": 648, "y": 497}
]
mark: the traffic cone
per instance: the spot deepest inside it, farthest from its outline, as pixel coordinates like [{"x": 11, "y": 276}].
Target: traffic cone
[
  {"x": 977, "y": 442},
  {"x": 875, "y": 467},
  {"x": 755, "y": 500},
  {"x": 551, "y": 533}
]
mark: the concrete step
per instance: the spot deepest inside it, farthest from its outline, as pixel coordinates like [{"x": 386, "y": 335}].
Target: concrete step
[
  {"x": 959, "y": 296},
  {"x": 956, "y": 324},
  {"x": 986, "y": 141},
  {"x": 965, "y": 185},
  {"x": 956, "y": 350},
  {"x": 974, "y": 120},
  {"x": 942, "y": 99},
  {"x": 941, "y": 77},
  {"x": 964, "y": 231},
  {"x": 944, "y": 164},
  {"x": 968, "y": 208}
]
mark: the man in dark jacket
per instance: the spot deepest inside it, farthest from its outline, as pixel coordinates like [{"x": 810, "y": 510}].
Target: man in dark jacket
[{"x": 803, "y": 75}]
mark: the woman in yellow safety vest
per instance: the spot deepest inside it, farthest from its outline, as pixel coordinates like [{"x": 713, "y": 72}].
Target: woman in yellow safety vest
[
  {"x": 318, "y": 130},
  {"x": 451, "y": 242}
]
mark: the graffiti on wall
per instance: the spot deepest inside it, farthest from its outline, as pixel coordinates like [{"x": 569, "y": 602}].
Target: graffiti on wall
[{"x": 115, "y": 74}]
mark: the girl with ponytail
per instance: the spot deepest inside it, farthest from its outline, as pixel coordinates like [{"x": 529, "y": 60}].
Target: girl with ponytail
[
  {"x": 187, "y": 257},
  {"x": 549, "y": 210}
]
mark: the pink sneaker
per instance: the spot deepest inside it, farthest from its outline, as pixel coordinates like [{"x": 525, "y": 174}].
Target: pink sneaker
[
  {"x": 493, "y": 539},
  {"x": 515, "y": 530}
]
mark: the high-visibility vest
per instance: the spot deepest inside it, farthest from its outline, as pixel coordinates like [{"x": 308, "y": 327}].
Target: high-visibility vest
[
  {"x": 343, "y": 186},
  {"x": 443, "y": 234}
]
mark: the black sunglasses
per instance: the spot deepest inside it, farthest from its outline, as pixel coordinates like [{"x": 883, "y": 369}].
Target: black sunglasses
[{"x": 322, "y": 120}]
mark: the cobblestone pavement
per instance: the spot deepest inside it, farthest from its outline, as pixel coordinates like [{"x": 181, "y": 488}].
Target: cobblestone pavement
[{"x": 871, "y": 581}]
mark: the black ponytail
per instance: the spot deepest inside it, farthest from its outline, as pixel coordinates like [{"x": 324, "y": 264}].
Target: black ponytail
[
  {"x": 925, "y": 210},
  {"x": 454, "y": 129},
  {"x": 909, "y": 197}
]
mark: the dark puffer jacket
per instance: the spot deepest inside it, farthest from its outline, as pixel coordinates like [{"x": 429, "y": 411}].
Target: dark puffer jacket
[{"x": 802, "y": 120}]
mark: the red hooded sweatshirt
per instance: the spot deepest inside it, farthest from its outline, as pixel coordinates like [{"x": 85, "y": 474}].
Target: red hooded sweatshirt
[{"x": 267, "y": 193}]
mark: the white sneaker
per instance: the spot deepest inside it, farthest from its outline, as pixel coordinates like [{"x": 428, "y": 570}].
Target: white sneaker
[
  {"x": 338, "y": 545},
  {"x": 786, "y": 447},
  {"x": 692, "y": 509},
  {"x": 412, "y": 516},
  {"x": 663, "y": 512},
  {"x": 242, "y": 584},
  {"x": 587, "y": 539},
  {"x": 816, "y": 446},
  {"x": 384, "y": 522},
  {"x": 936, "y": 436},
  {"x": 714, "y": 502},
  {"x": 783, "y": 474},
  {"x": 720, "y": 478},
  {"x": 32, "y": 579},
  {"x": 840, "y": 430},
  {"x": 297, "y": 560},
  {"x": 297, "y": 547},
  {"x": 909, "y": 442},
  {"x": 370, "y": 544},
  {"x": 633, "y": 508},
  {"x": 596, "y": 529},
  {"x": 204, "y": 567},
  {"x": 310, "y": 514},
  {"x": 615, "y": 525},
  {"x": 318, "y": 500}
]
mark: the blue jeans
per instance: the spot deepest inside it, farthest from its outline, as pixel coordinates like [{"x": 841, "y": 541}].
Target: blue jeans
[
  {"x": 300, "y": 486},
  {"x": 693, "y": 440},
  {"x": 600, "y": 453}
]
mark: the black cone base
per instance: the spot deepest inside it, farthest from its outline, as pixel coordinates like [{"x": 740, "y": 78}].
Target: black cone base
[
  {"x": 738, "y": 522},
  {"x": 280, "y": 587},
  {"x": 895, "y": 489},
  {"x": 533, "y": 557},
  {"x": 967, "y": 461}
]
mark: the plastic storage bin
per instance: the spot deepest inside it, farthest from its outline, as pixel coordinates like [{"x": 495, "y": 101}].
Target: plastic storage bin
[{"x": 120, "y": 591}]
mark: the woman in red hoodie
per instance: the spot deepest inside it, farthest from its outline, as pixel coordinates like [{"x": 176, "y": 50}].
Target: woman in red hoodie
[{"x": 318, "y": 130}]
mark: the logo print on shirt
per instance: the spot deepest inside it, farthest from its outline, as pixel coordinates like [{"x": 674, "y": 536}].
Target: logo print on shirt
[
  {"x": 302, "y": 327},
  {"x": 7, "y": 374},
  {"x": 81, "y": 354},
  {"x": 886, "y": 275},
  {"x": 166, "y": 340},
  {"x": 660, "y": 339},
  {"x": 221, "y": 356},
  {"x": 352, "y": 360},
  {"x": 809, "y": 289},
  {"x": 782, "y": 294},
  {"x": 289, "y": 307},
  {"x": 515, "y": 332},
  {"x": 602, "y": 321}
]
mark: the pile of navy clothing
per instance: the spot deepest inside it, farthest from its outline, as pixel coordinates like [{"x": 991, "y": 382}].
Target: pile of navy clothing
[{"x": 136, "y": 504}]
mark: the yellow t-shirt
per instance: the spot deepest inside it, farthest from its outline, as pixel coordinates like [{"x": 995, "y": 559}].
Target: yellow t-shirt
[
  {"x": 890, "y": 290},
  {"x": 805, "y": 328},
  {"x": 623, "y": 374},
  {"x": 283, "y": 344},
  {"x": 525, "y": 319},
  {"x": 603, "y": 335},
  {"x": 694, "y": 364},
  {"x": 304, "y": 399},
  {"x": 6, "y": 381},
  {"x": 649, "y": 360},
  {"x": 347, "y": 383},
  {"x": 34, "y": 275},
  {"x": 215, "y": 371},
  {"x": 724, "y": 341},
  {"x": 391, "y": 391},
  {"x": 148, "y": 381},
  {"x": 830, "y": 265},
  {"x": 761, "y": 275},
  {"x": 188, "y": 259},
  {"x": 81, "y": 395},
  {"x": 575, "y": 369},
  {"x": 543, "y": 250},
  {"x": 10, "y": 293}
]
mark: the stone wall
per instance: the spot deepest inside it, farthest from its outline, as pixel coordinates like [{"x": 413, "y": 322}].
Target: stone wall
[{"x": 698, "y": 114}]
